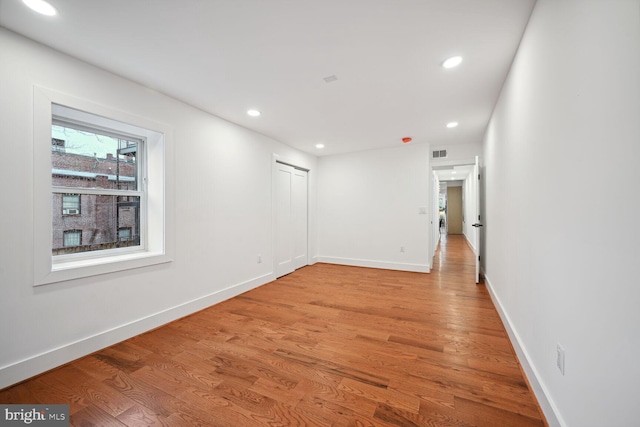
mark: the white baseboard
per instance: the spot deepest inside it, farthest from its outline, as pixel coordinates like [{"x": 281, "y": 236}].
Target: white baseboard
[
  {"x": 473, "y": 248},
  {"x": 417, "y": 268},
  {"x": 546, "y": 403},
  {"x": 27, "y": 368}
]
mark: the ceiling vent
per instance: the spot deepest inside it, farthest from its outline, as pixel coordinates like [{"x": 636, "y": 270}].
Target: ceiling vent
[
  {"x": 330, "y": 79},
  {"x": 440, "y": 154}
]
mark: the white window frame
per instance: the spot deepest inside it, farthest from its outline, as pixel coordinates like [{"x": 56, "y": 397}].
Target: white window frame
[
  {"x": 81, "y": 120},
  {"x": 158, "y": 237}
]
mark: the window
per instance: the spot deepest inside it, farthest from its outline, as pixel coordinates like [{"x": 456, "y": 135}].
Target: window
[
  {"x": 107, "y": 169},
  {"x": 124, "y": 234},
  {"x": 70, "y": 204},
  {"x": 72, "y": 238},
  {"x": 101, "y": 193},
  {"x": 57, "y": 145}
]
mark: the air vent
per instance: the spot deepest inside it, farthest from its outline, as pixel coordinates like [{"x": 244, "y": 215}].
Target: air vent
[
  {"x": 330, "y": 79},
  {"x": 439, "y": 154}
]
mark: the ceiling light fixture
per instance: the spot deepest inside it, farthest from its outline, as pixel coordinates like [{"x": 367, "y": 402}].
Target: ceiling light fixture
[
  {"x": 452, "y": 125},
  {"x": 454, "y": 61},
  {"x": 41, "y": 6},
  {"x": 319, "y": 146},
  {"x": 253, "y": 113}
]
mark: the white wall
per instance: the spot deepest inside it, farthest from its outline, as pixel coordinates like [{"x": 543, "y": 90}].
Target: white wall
[
  {"x": 561, "y": 259},
  {"x": 368, "y": 204},
  {"x": 222, "y": 217}
]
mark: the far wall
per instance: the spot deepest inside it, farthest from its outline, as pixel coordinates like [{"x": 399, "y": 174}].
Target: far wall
[{"x": 369, "y": 206}]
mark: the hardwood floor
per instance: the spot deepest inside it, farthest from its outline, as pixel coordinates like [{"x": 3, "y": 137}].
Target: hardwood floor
[{"x": 324, "y": 346}]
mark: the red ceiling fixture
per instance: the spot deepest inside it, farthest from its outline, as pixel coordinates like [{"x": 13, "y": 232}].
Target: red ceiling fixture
[{"x": 406, "y": 139}]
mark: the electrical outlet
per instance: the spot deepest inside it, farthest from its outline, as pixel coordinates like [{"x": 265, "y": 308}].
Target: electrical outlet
[
  {"x": 401, "y": 248},
  {"x": 560, "y": 358},
  {"x": 259, "y": 259}
]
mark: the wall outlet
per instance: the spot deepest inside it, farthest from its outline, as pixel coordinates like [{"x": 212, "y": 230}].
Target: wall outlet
[
  {"x": 560, "y": 358},
  {"x": 259, "y": 259},
  {"x": 401, "y": 248}
]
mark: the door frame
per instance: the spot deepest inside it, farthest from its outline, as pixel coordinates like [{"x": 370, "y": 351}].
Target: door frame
[{"x": 450, "y": 164}]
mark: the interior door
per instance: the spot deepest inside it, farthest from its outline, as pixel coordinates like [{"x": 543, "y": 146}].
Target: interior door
[
  {"x": 291, "y": 219},
  {"x": 478, "y": 224},
  {"x": 299, "y": 208},
  {"x": 284, "y": 220}
]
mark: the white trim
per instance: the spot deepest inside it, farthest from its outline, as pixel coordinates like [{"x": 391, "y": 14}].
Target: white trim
[
  {"x": 400, "y": 266},
  {"x": 473, "y": 248},
  {"x": 549, "y": 408},
  {"x": 29, "y": 367},
  {"x": 439, "y": 163}
]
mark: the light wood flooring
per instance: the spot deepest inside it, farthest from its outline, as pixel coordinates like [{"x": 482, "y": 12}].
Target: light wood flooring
[{"x": 324, "y": 346}]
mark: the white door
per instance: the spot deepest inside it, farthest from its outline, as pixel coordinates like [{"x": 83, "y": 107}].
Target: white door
[
  {"x": 291, "y": 219},
  {"x": 299, "y": 203},
  {"x": 478, "y": 224}
]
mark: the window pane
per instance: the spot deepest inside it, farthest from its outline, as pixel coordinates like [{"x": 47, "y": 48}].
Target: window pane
[
  {"x": 100, "y": 223},
  {"x": 92, "y": 160}
]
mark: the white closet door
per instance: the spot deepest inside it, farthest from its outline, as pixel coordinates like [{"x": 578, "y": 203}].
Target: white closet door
[
  {"x": 291, "y": 219},
  {"x": 284, "y": 220},
  {"x": 299, "y": 199}
]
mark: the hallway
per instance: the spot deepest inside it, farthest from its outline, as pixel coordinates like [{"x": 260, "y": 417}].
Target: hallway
[{"x": 327, "y": 345}]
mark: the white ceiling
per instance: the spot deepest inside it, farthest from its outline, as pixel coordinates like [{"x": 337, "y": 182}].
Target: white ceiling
[{"x": 226, "y": 56}]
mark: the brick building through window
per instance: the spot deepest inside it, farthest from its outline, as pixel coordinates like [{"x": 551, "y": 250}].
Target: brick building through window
[{"x": 92, "y": 219}]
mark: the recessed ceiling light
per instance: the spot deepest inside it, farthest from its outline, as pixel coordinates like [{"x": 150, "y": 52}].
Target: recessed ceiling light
[
  {"x": 454, "y": 61},
  {"x": 253, "y": 113},
  {"x": 319, "y": 146},
  {"x": 452, "y": 125},
  {"x": 41, "y": 7}
]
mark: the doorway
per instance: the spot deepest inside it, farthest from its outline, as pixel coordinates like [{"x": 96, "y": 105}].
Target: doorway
[
  {"x": 460, "y": 191},
  {"x": 454, "y": 211}
]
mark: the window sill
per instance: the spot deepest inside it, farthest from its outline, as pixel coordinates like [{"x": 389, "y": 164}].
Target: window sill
[{"x": 75, "y": 269}]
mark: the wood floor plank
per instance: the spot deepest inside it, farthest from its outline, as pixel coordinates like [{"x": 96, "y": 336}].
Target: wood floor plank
[
  {"x": 92, "y": 416},
  {"x": 326, "y": 345}
]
